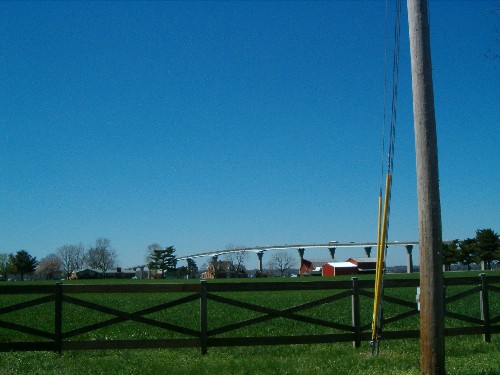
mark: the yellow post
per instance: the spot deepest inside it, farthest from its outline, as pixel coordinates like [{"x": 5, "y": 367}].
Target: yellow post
[{"x": 381, "y": 244}]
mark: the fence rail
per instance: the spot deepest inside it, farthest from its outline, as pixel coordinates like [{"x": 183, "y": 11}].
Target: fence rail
[{"x": 202, "y": 295}]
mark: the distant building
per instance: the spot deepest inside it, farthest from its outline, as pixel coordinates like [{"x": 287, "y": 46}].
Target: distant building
[
  {"x": 118, "y": 273},
  {"x": 223, "y": 269},
  {"x": 85, "y": 273},
  {"x": 90, "y": 273},
  {"x": 317, "y": 271},
  {"x": 365, "y": 265}
]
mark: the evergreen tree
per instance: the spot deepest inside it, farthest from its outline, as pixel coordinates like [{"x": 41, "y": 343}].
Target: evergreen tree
[
  {"x": 23, "y": 263},
  {"x": 487, "y": 246},
  {"x": 466, "y": 253},
  {"x": 450, "y": 253},
  {"x": 192, "y": 268},
  {"x": 162, "y": 260}
]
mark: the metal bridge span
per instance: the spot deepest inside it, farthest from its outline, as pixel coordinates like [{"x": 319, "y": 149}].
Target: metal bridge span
[{"x": 331, "y": 246}]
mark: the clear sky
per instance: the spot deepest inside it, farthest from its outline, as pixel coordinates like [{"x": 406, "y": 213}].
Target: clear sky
[{"x": 206, "y": 124}]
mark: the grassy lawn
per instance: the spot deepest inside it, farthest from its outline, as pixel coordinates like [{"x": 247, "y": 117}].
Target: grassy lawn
[{"x": 464, "y": 354}]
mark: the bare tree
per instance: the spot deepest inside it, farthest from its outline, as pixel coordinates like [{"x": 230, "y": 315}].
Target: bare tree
[
  {"x": 50, "y": 267},
  {"x": 71, "y": 257},
  {"x": 101, "y": 256},
  {"x": 236, "y": 258},
  {"x": 6, "y": 266},
  {"x": 281, "y": 262}
]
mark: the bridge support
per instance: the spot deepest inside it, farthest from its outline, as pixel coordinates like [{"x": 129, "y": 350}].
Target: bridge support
[
  {"x": 332, "y": 252},
  {"x": 260, "y": 254},
  {"x": 142, "y": 271},
  {"x": 409, "y": 264},
  {"x": 368, "y": 251},
  {"x": 301, "y": 257}
]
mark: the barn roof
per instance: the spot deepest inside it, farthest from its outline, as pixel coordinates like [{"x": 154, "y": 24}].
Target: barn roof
[
  {"x": 364, "y": 260},
  {"x": 87, "y": 270},
  {"x": 342, "y": 264}
]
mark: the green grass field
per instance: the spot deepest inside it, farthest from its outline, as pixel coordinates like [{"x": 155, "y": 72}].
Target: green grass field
[{"x": 464, "y": 354}]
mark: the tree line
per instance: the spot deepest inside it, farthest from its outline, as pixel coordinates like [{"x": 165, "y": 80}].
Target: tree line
[
  {"x": 162, "y": 261},
  {"x": 100, "y": 256},
  {"x": 484, "y": 247},
  {"x": 67, "y": 258}
]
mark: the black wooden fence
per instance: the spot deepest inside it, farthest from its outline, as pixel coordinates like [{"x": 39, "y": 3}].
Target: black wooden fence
[{"x": 62, "y": 295}]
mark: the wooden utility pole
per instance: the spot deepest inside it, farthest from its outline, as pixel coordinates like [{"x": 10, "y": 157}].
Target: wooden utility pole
[{"x": 429, "y": 207}]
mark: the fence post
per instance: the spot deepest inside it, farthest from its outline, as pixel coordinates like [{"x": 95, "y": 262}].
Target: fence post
[
  {"x": 356, "y": 314},
  {"x": 445, "y": 306},
  {"x": 203, "y": 316},
  {"x": 58, "y": 318},
  {"x": 485, "y": 308}
]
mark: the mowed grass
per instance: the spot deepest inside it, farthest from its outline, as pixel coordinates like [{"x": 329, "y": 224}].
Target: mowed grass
[
  {"x": 464, "y": 354},
  {"x": 464, "y": 357}
]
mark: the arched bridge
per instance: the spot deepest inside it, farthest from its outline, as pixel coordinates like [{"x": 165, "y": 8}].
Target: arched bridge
[{"x": 301, "y": 248}]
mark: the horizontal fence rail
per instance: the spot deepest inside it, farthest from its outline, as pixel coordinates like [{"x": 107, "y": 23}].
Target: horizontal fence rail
[{"x": 58, "y": 330}]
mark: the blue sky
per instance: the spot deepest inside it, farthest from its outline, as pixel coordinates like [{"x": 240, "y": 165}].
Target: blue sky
[{"x": 205, "y": 124}]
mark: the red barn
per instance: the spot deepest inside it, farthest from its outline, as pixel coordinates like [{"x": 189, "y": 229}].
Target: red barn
[
  {"x": 365, "y": 265},
  {"x": 339, "y": 268}
]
